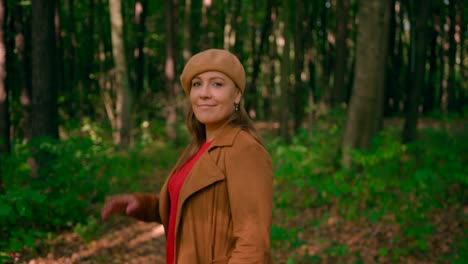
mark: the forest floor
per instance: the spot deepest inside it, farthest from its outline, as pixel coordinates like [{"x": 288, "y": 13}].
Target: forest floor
[{"x": 124, "y": 240}]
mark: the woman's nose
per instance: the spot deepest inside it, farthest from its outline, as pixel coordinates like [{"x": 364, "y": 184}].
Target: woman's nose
[{"x": 205, "y": 90}]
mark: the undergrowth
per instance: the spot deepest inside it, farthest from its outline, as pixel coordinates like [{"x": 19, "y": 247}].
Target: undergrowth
[{"x": 389, "y": 183}]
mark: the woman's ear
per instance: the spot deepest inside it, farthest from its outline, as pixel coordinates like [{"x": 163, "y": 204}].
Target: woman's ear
[{"x": 238, "y": 97}]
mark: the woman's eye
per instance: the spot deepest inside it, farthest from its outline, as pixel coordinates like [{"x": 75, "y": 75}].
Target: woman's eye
[
  {"x": 196, "y": 84},
  {"x": 217, "y": 84}
]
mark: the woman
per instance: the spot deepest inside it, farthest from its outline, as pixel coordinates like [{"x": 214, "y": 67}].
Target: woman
[{"x": 216, "y": 205}]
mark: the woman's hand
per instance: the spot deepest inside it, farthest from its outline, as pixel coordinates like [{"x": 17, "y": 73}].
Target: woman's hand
[{"x": 127, "y": 204}]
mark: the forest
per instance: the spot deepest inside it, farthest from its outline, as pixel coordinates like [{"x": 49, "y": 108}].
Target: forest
[{"x": 361, "y": 104}]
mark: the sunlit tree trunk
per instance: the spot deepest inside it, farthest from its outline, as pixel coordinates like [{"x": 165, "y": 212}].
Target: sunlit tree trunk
[
  {"x": 229, "y": 33},
  {"x": 4, "y": 112},
  {"x": 204, "y": 41},
  {"x": 122, "y": 87},
  {"x": 172, "y": 90},
  {"x": 365, "y": 109},
  {"x": 422, "y": 9},
  {"x": 341, "y": 61}
]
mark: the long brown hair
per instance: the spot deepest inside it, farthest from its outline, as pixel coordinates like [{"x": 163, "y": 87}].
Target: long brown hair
[{"x": 238, "y": 118}]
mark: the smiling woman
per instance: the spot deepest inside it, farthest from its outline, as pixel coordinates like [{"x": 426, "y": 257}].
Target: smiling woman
[
  {"x": 216, "y": 204},
  {"x": 214, "y": 97}
]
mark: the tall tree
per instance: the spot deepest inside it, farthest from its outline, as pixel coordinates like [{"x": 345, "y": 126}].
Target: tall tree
[
  {"x": 23, "y": 55},
  {"x": 265, "y": 32},
  {"x": 44, "y": 117},
  {"x": 284, "y": 46},
  {"x": 170, "y": 68},
  {"x": 452, "y": 103},
  {"x": 123, "y": 102},
  {"x": 300, "y": 89},
  {"x": 187, "y": 39},
  {"x": 44, "y": 90},
  {"x": 365, "y": 109},
  {"x": 4, "y": 112},
  {"x": 141, "y": 7},
  {"x": 430, "y": 91},
  {"x": 339, "y": 89},
  {"x": 418, "y": 65}
]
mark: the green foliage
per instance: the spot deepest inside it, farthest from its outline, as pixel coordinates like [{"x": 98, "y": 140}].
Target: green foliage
[
  {"x": 80, "y": 171},
  {"x": 407, "y": 183}
]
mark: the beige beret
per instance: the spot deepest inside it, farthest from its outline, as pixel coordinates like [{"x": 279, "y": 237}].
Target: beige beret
[{"x": 213, "y": 60}]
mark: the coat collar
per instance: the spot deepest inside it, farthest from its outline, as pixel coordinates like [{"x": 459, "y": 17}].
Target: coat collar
[
  {"x": 206, "y": 164},
  {"x": 226, "y": 137}
]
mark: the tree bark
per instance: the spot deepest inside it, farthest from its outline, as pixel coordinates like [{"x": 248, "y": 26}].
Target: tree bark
[
  {"x": 251, "y": 100},
  {"x": 44, "y": 90},
  {"x": 284, "y": 40},
  {"x": 172, "y": 89},
  {"x": 365, "y": 109},
  {"x": 341, "y": 54},
  {"x": 23, "y": 55},
  {"x": 140, "y": 18},
  {"x": 452, "y": 104},
  {"x": 4, "y": 109},
  {"x": 187, "y": 44},
  {"x": 430, "y": 92},
  {"x": 422, "y": 9},
  {"x": 122, "y": 87},
  {"x": 300, "y": 90}
]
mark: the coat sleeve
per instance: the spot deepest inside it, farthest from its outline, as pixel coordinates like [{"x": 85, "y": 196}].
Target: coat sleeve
[
  {"x": 149, "y": 204},
  {"x": 249, "y": 176}
]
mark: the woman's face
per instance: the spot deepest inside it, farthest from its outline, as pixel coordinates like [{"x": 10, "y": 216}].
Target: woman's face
[{"x": 212, "y": 96}]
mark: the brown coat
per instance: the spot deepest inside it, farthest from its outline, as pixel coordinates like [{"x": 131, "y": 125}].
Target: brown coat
[{"x": 225, "y": 205}]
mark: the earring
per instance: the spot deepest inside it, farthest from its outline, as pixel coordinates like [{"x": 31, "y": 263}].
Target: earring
[{"x": 236, "y": 107}]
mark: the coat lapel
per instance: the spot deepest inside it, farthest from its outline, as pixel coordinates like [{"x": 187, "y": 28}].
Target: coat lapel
[{"x": 204, "y": 173}]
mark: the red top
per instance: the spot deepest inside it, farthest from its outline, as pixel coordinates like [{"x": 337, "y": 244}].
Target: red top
[{"x": 175, "y": 185}]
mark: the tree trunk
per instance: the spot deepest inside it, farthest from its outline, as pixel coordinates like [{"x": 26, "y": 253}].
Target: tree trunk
[
  {"x": 204, "y": 42},
  {"x": 452, "y": 104},
  {"x": 341, "y": 54},
  {"x": 365, "y": 109},
  {"x": 252, "y": 99},
  {"x": 300, "y": 90},
  {"x": 140, "y": 18},
  {"x": 430, "y": 92},
  {"x": 44, "y": 90},
  {"x": 23, "y": 55},
  {"x": 284, "y": 97},
  {"x": 170, "y": 69},
  {"x": 326, "y": 52},
  {"x": 122, "y": 87},
  {"x": 229, "y": 33},
  {"x": 187, "y": 43},
  {"x": 4, "y": 109},
  {"x": 392, "y": 71},
  {"x": 422, "y": 9}
]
